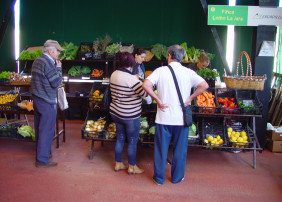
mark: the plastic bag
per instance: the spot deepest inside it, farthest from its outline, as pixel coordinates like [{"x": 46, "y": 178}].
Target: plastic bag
[{"x": 62, "y": 99}]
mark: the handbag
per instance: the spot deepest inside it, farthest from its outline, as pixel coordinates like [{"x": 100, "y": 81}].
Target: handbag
[
  {"x": 107, "y": 98},
  {"x": 187, "y": 113}
]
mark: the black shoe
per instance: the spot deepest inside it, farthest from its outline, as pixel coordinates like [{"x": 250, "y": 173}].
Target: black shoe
[{"x": 43, "y": 165}]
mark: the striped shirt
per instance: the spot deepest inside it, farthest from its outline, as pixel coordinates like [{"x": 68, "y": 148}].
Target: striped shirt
[
  {"x": 127, "y": 93},
  {"x": 45, "y": 78}
]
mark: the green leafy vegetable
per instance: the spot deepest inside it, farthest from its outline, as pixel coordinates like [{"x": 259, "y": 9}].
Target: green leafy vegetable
[
  {"x": 25, "y": 55},
  {"x": 114, "y": 48},
  {"x": 152, "y": 130},
  {"x": 85, "y": 70},
  {"x": 185, "y": 58},
  {"x": 159, "y": 50},
  {"x": 193, "y": 54},
  {"x": 207, "y": 73},
  {"x": 75, "y": 71},
  {"x": 26, "y": 131},
  {"x": 70, "y": 51},
  {"x": 5, "y": 75}
]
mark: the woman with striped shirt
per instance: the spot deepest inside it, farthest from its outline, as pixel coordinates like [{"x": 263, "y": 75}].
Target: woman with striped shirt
[{"x": 125, "y": 110}]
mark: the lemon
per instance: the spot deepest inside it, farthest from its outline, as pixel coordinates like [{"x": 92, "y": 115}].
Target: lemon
[
  {"x": 243, "y": 133},
  {"x": 245, "y": 138},
  {"x": 233, "y": 139},
  {"x": 220, "y": 141},
  {"x": 206, "y": 141},
  {"x": 229, "y": 129},
  {"x": 233, "y": 133},
  {"x": 240, "y": 139},
  {"x": 229, "y": 134},
  {"x": 210, "y": 138},
  {"x": 218, "y": 137}
]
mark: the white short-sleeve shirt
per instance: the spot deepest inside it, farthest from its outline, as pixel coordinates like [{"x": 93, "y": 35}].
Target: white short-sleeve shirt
[{"x": 162, "y": 78}]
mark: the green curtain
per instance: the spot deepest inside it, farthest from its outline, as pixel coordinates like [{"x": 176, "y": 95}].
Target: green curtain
[{"x": 279, "y": 53}]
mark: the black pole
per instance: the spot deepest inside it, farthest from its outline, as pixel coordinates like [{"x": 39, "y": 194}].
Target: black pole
[
  {"x": 6, "y": 19},
  {"x": 217, "y": 39}
]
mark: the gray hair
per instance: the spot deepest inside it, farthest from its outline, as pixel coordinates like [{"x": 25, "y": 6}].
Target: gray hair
[
  {"x": 46, "y": 48},
  {"x": 176, "y": 52}
]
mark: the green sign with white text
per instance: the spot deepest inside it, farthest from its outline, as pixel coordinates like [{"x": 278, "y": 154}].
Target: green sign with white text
[{"x": 228, "y": 15}]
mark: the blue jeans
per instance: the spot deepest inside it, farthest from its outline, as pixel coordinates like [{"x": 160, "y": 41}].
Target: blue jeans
[
  {"x": 44, "y": 126},
  {"x": 179, "y": 137},
  {"x": 130, "y": 129}
]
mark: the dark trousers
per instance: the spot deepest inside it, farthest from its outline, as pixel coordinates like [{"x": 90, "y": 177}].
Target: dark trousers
[
  {"x": 44, "y": 125},
  {"x": 165, "y": 134}
]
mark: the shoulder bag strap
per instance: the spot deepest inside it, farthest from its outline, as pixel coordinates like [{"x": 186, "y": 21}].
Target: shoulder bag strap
[{"x": 177, "y": 87}]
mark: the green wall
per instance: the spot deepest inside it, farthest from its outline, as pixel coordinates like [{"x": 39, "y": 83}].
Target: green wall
[{"x": 143, "y": 23}]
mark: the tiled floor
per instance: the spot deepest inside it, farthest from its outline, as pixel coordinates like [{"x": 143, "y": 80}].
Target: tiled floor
[{"x": 210, "y": 175}]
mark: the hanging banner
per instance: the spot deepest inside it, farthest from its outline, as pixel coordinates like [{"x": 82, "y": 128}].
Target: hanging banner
[{"x": 244, "y": 15}]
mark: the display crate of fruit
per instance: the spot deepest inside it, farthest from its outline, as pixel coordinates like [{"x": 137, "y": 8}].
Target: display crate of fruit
[
  {"x": 213, "y": 133},
  {"x": 96, "y": 95},
  {"x": 98, "y": 125},
  {"x": 227, "y": 101},
  {"x": 205, "y": 103},
  {"x": 248, "y": 101},
  {"x": 8, "y": 102},
  {"x": 237, "y": 133}
]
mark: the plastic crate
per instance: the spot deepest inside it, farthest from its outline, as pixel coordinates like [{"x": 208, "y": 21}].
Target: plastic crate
[
  {"x": 207, "y": 110},
  {"x": 213, "y": 127},
  {"x": 95, "y": 116},
  {"x": 85, "y": 51},
  {"x": 96, "y": 102},
  {"x": 11, "y": 106},
  {"x": 238, "y": 126},
  {"x": 4, "y": 81},
  {"x": 229, "y": 93},
  {"x": 249, "y": 97}
]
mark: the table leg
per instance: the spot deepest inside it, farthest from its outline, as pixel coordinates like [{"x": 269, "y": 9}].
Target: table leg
[
  {"x": 92, "y": 150},
  {"x": 255, "y": 155}
]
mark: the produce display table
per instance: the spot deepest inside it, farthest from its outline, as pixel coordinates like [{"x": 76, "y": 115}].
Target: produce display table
[
  {"x": 252, "y": 134},
  {"x": 58, "y": 132}
]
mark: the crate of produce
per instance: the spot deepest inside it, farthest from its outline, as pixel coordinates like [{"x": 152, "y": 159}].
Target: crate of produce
[
  {"x": 147, "y": 129},
  {"x": 213, "y": 133},
  {"x": 96, "y": 95},
  {"x": 85, "y": 51},
  {"x": 248, "y": 102},
  {"x": 96, "y": 124},
  {"x": 205, "y": 103},
  {"x": 4, "y": 81},
  {"x": 193, "y": 137},
  {"x": 227, "y": 101},
  {"x": 8, "y": 131},
  {"x": 237, "y": 133},
  {"x": 8, "y": 102}
]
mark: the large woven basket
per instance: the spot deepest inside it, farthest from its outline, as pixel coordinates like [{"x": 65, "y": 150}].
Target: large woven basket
[{"x": 245, "y": 82}]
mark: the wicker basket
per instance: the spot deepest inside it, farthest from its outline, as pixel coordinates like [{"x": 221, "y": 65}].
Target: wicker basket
[{"x": 245, "y": 82}]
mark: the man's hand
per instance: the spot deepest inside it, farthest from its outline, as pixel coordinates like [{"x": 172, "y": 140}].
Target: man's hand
[{"x": 58, "y": 63}]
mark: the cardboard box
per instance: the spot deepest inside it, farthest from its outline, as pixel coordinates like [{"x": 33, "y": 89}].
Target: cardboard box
[
  {"x": 274, "y": 146},
  {"x": 272, "y": 135}
]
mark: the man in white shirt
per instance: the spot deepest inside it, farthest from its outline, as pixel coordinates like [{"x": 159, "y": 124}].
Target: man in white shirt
[{"x": 169, "y": 118}]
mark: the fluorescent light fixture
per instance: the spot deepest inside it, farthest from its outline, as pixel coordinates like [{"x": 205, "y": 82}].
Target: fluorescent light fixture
[
  {"x": 230, "y": 41},
  {"x": 17, "y": 31}
]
